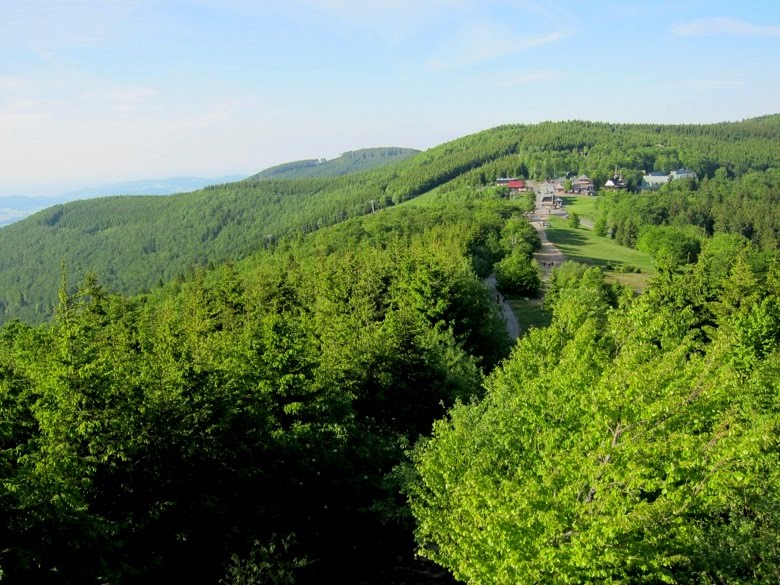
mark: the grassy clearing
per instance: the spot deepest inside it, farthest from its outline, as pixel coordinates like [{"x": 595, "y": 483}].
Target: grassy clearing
[
  {"x": 428, "y": 198},
  {"x": 529, "y": 313},
  {"x": 636, "y": 282},
  {"x": 582, "y": 205},
  {"x": 582, "y": 245}
]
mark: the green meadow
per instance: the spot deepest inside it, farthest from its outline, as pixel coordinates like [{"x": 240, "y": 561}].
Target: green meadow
[{"x": 582, "y": 245}]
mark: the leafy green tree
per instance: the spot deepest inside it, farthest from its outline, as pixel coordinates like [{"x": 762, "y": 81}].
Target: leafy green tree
[
  {"x": 574, "y": 221},
  {"x": 600, "y": 226},
  {"x": 683, "y": 245},
  {"x": 518, "y": 274},
  {"x": 613, "y": 447}
]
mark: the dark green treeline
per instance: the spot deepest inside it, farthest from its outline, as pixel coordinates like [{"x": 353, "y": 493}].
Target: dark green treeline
[{"x": 259, "y": 409}]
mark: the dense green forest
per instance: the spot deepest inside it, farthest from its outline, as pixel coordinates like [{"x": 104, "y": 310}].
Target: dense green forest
[
  {"x": 312, "y": 392},
  {"x": 685, "y": 213},
  {"x": 353, "y": 161},
  {"x": 136, "y": 243},
  {"x": 258, "y": 409}
]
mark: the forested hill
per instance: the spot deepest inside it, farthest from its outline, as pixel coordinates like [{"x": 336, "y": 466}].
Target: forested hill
[
  {"x": 298, "y": 415},
  {"x": 353, "y": 161},
  {"x": 135, "y": 243}
]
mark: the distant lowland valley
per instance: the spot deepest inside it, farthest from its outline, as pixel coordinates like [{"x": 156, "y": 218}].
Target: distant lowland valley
[{"x": 14, "y": 208}]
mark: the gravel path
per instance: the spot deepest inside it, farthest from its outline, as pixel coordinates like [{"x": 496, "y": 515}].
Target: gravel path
[{"x": 549, "y": 256}]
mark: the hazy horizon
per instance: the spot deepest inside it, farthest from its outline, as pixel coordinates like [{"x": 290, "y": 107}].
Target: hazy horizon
[{"x": 95, "y": 92}]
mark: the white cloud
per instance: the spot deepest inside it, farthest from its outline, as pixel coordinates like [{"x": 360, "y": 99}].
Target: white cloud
[
  {"x": 709, "y": 27},
  {"x": 485, "y": 44},
  {"x": 396, "y": 20}
]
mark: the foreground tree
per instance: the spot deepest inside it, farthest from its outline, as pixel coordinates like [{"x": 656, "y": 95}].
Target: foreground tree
[
  {"x": 615, "y": 447},
  {"x": 518, "y": 274}
]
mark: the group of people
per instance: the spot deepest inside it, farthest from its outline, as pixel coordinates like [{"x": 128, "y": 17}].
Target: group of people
[{"x": 547, "y": 264}]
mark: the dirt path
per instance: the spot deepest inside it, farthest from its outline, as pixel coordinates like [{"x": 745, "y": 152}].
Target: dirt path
[
  {"x": 549, "y": 256},
  {"x": 512, "y": 326}
]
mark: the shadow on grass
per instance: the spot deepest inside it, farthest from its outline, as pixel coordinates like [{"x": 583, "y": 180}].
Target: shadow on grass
[
  {"x": 530, "y": 313},
  {"x": 571, "y": 245}
]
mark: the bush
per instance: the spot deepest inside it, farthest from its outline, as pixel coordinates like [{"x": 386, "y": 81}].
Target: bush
[{"x": 600, "y": 227}]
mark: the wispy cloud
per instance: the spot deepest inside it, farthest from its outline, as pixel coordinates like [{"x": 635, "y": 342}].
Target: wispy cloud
[
  {"x": 483, "y": 44},
  {"x": 712, "y": 83},
  {"x": 529, "y": 78},
  {"x": 710, "y": 27},
  {"x": 120, "y": 99},
  {"x": 390, "y": 19}
]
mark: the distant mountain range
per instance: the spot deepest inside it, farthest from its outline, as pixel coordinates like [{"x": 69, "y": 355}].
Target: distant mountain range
[
  {"x": 15, "y": 208},
  {"x": 353, "y": 161},
  {"x": 18, "y": 207}
]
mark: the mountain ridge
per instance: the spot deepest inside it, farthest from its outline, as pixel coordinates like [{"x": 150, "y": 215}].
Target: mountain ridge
[
  {"x": 135, "y": 243},
  {"x": 349, "y": 162}
]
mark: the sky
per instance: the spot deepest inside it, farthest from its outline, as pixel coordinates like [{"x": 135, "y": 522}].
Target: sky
[{"x": 98, "y": 91}]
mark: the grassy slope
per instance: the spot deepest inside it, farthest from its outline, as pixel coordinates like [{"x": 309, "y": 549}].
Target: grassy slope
[
  {"x": 530, "y": 313},
  {"x": 585, "y": 207},
  {"x": 582, "y": 245}
]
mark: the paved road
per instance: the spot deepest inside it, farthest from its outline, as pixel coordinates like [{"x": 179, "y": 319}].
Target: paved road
[{"x": 512, "y": 326}]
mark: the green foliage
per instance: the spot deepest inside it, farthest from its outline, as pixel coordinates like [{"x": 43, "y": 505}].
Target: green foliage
[
  {"x": 172, "y": 436},
  {"x": 746, "y": 205},
  {"x": 574, "y": 221},
  {"x": 600, "y": 226},
  {"x": 156, "y": 438},
  {"x": 265, "y": 565},
  {"x": 683, "y": 245},
  {"x": 354, "y": 161},
  {"x": 629, "y": 445},
  {"x": 519, "y": 236},
  {"x": 134, "y": 242},
  {"x": 517, "y": 274}
]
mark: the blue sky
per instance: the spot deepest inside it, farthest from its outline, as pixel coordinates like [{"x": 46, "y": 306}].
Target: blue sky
[{"x": 94, "y": 91}]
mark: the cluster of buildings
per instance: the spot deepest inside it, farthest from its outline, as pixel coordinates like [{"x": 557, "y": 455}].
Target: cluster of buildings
[
  {"x": 583, "y": 185},
  {"x": 653, "y": 181},
  {"x": 515, "y": 185}
]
